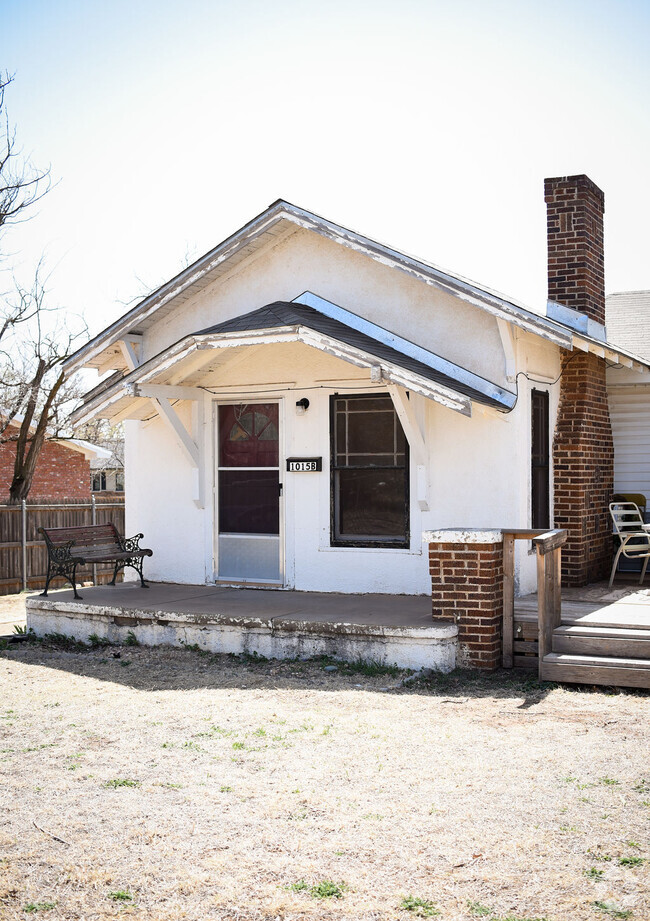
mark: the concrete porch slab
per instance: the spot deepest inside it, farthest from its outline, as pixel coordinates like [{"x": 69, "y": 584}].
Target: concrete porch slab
[{"x": 390, "y": 629}]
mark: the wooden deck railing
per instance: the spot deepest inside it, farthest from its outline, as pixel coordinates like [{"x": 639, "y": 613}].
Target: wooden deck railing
[{"x": 548, "y": 545}]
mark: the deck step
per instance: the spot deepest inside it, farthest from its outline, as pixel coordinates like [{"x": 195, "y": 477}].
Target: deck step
[
  {"x": 598, "y": 640},
  {"x": 590, "y": 669}
]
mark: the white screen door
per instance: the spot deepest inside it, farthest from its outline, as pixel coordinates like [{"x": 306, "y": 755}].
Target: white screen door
[{"x": 249, "y": 492}]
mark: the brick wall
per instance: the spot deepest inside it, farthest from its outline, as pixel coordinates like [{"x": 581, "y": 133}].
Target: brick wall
[
  {"x": 583, "y": 449},
  {"x": 467, "y": 589},
  {"x": 60, "y": 472}
]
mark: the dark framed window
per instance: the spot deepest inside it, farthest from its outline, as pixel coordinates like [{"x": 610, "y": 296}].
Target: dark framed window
[
  {"x": 540, "y": 460},
  {"x": 370, "y": 473},
  {"x": 99, "y": 481}
]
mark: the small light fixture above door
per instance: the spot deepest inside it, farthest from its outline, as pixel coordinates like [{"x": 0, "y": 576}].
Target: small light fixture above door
[{"x": 302, "y": 406}]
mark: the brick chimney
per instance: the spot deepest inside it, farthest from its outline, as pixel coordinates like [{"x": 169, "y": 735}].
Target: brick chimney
[
  {"x": 583, "y": 449},
  {"x": 576, "y": 267}
]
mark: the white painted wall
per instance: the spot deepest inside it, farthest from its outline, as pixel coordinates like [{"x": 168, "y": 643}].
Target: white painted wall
[
  {"x": 478, "y": 468},
  {"x": 436, "y": 320}
]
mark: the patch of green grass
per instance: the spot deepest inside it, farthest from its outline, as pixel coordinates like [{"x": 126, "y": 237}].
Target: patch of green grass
[
  {"x": 423, "y": 908},
  {"x": 125, "y": 663},
  {"x": 481, "y": 911},
  {"x": 224, "y": 788},
  {"x": 122, "y": 782},
  {"x": 613, "y": 910},
  {"x": 24, "y": 631},
  {"x": 96, "y": 641},
  {"x": 593, "y": 873},
  {"x": 252, "y": 658},
  {"x": 215, "y": 731},
  {"x": 370, "y": 668},
  {"x": 633, "y": 844},
  {"x": 193, "y": 746},
  {"x": 121, "y": 895},
  {"x": 300, "y": 886},
  {"x": 131, "y": 639},
  {"x": 38, "y": 906},
  {"x": 260, "y": 732},
  {"x": 238, "y": 746},
  {"x": 631, "y": 861},
  {"x": 64, "y": 642},
  {"x": 326, "y": 889},
  {"x": 609, "y": 781}
]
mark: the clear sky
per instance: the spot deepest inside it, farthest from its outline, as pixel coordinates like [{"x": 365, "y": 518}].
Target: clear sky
[{"x": 426, "y": 124}]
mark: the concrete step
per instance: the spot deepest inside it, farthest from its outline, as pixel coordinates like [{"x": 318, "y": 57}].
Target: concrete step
[
  {"x": 610, "y": 670},
  {"x": 597, "y": 640}
]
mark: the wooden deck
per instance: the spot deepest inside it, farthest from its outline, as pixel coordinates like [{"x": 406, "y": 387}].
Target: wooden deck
[{"x": 603, "y": 638}]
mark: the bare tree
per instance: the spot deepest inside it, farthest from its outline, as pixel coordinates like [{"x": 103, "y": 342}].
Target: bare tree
[
  {"x": 34, "y": 394},
  {"x": 34, "y": 340},
  {"x": 21, "y": 184}
]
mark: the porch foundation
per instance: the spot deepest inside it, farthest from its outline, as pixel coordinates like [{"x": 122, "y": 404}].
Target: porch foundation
[
  {"x": 466, "y": 568},
  {"x": 388, "y": 630}
]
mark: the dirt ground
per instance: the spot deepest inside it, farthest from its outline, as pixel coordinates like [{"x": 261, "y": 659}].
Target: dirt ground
[{"x": 167, "y": 784}]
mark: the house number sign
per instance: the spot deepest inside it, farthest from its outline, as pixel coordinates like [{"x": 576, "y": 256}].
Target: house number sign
[{"x": 304, "y": 464}]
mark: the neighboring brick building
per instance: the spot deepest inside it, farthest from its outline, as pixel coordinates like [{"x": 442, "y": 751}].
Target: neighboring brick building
[{"x": 62, "y": 471}]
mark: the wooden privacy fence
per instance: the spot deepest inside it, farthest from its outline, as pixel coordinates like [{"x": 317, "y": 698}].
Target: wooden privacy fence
[{"x": 23, "y": 557}]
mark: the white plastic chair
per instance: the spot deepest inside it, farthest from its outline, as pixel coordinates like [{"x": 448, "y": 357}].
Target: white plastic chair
[{"x": 632, "y": 532}]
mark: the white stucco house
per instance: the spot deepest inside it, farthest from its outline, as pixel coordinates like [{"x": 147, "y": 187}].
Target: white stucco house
[{"x": 302, "y": 403}]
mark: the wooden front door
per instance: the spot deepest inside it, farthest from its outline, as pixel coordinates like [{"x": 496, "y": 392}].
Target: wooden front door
[{"x": 248, "y": 493}]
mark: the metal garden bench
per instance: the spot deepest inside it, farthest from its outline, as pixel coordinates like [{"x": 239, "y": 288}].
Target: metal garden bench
[{"x": 68, "y": 548}]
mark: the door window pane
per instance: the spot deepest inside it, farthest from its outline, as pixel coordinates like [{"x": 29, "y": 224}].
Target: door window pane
[{"x": 248, "y": 435}]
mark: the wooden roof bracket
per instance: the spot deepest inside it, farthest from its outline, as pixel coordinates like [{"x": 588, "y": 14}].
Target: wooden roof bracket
[
  {"x": 507, "y": 334},
  {"x": 131, "y": 348},
  {"x": 415, "y": 437}
]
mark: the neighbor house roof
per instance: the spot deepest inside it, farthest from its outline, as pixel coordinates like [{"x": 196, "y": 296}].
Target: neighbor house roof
[{"x": 628, "y": 321}]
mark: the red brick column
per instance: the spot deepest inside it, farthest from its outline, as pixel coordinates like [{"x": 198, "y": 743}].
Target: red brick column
[
  {"x": 466, "y": 568},
  {"x": 583, "y": 448},
  {"x": 583, "y": 464}
]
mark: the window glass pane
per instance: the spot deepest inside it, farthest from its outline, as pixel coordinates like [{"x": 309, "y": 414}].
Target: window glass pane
[
  {"x": 248, "y": 435},
  {"x": 371, "y": 504},
  {"x": 374, "y": 460},
  {"x": 371, "y": 432},
  {"x": 249, "y": 501},
  {"x": 370, "y": 404}
]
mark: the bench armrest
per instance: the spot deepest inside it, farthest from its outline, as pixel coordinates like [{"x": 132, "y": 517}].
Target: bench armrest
[
  {"x": 62, "y": 553},
  {"x": 131, "y": 544}
]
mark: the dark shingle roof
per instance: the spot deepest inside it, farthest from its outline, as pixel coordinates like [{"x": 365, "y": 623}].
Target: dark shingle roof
[{"x": 285, "y": 313}]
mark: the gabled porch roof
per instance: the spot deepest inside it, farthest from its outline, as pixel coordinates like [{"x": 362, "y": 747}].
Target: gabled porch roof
[{"x": 176, "y": 372}]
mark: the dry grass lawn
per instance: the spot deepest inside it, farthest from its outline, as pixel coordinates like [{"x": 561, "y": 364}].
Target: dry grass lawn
[{"x": 166, "y": 784}]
